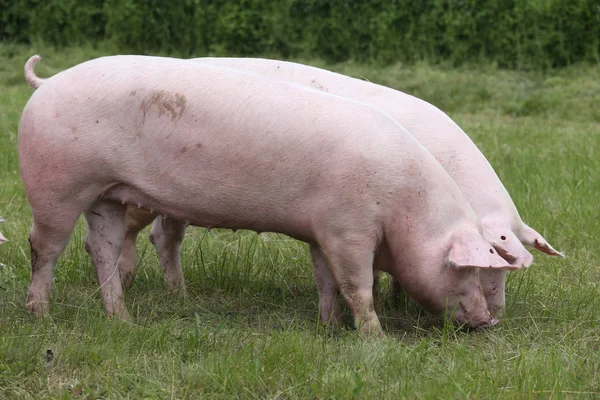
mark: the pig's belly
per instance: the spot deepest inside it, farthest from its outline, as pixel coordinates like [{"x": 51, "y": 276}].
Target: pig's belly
[{"x": 220, "y": 214}]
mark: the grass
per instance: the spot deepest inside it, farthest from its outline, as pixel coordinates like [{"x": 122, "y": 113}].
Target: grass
[{"x": 249, "y": 328}]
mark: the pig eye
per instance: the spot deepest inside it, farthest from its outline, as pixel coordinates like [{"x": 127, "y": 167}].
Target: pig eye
[
  {"x": 503, "y": 237},
  {"x": 491, "y": 251}
]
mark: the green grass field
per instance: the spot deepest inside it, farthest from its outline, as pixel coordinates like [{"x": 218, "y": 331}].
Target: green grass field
[{"x": 249, "y": 328}]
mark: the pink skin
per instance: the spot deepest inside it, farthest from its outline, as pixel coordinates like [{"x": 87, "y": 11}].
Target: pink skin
[
  {"x": 103, "y": 242},
  {"x": 445, "y": 140},
  {"x": 456, "y": 152},
  {"x": 436, "y": 132},
  {"x": 335, "y": 173},
  {"x": 135, "y": 220},
  {"x": 167, "y": 236}
]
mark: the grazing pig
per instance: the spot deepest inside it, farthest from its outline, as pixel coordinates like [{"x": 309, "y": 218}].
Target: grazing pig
[
  {"x": 224, "y": 148},
  {"x": 456, "y": 152}
]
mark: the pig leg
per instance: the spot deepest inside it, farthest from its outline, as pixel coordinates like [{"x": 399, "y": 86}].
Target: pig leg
[
  {"x": 136, "y": 219},
  {"x": 49, "y": 236},
  {"x": 106, "y": 230},
  {"x": 351, "y": 263},
  {"x": 376, "y": 292},
  {"x": 329, "y": 305},
  {"x": 167, "y": 235},
  {"x": 328, "y": 293}
]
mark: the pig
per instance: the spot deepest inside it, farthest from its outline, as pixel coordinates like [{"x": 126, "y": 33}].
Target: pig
[
  {"x": 443, "y": 138},
  {"x": 217, "y": 147}
]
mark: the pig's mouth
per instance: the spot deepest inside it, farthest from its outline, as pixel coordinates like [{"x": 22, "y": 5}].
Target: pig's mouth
[
  {"x": 477, "y": 322},
  {"x": 486, "y": 325},
  {"x": 481, "y": 326}
]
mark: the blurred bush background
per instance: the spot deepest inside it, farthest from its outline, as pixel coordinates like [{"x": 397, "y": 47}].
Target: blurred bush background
[{"x": 514, "y": 34}]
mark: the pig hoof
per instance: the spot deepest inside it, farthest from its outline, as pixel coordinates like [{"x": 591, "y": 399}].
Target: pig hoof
[
  {"x": 183, "y": 294},
  {"x": 127, "y": 284},
  {"x": 127, "y": 280},
  {"x": 370, "y": 331},
  {"x": 180, "y": 292},
  {"x": 123, "y": 316},
  {"x": 119, "y": 313},
  {"x": 335, "y": 322},
  {"x": 38, "y": 308}
]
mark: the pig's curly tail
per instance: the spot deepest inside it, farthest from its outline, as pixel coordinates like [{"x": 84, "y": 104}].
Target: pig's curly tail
[{"x": 30, "y": 75}]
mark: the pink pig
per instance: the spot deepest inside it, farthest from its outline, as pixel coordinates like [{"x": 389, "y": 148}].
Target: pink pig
[
  {"x": 224, "y": 148},
  {"x": 456, "y": 152}
]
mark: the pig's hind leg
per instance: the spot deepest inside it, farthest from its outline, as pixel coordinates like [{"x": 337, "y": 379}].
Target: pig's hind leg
[
  {"x": 136, "y": 219},
  {"x": 49, "y": 235},
  {"x": 167, "y": 235},
  {"x": 106, "y": 230}
]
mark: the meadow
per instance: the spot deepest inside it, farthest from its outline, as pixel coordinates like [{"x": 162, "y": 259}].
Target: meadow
[{"x": 249, "y": 328}]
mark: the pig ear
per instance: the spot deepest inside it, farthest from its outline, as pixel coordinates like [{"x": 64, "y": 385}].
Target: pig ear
[
  {"x": 476, "y": 254},
  {"x": 519, "y": 254},
  {"x": 532, "y": 238}
]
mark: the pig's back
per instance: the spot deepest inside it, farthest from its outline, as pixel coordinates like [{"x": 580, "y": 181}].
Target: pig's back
[
  {"x": 171, "y": 129},
  {"x": 452, "y": 148},
  {"x": 170, "y": 106}
]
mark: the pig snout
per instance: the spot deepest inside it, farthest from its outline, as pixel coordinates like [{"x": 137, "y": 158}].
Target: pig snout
[
  {"x": 478, "y": 317},
  {"x": 471, "y": 307},
  {"x": 491, "y": 323}
]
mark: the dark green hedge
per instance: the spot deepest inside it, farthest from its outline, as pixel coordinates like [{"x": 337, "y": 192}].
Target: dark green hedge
[{"x": 512, "y": 33}]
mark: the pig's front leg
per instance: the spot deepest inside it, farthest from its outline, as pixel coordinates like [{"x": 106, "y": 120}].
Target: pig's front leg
[
  {"x": 136, "y": 219},
  {"x": 106, "y": 229},
  {"x": 351, "y": 262},
  {"x": 329, "y": 305},
  {"x": 376, "y": 292},
  {"x": 167, "y": 235}
]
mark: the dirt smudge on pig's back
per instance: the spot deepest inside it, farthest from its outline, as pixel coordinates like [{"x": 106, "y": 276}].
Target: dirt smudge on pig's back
[{"x": 167, "y": 103}]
